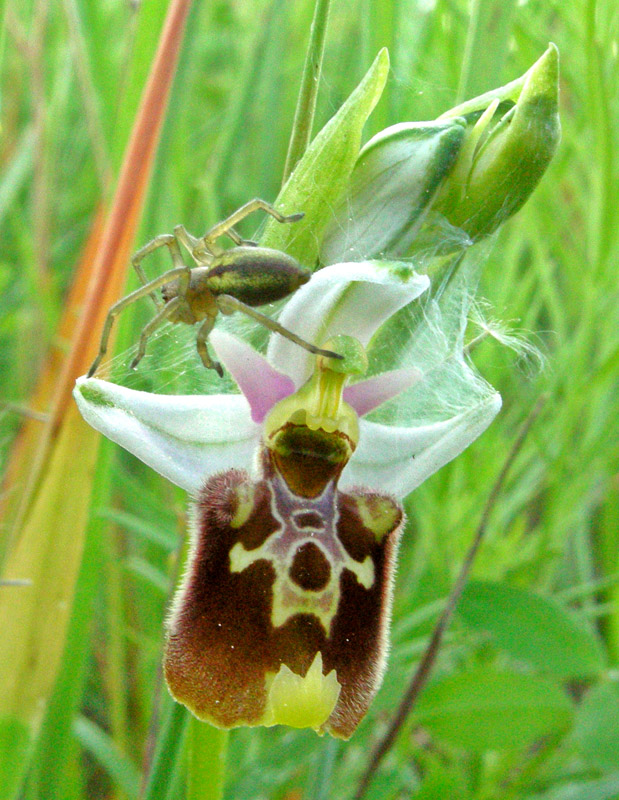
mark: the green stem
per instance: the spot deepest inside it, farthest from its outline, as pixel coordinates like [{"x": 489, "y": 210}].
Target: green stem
[
  {"x": 603, "y": 207},
  {"x": 208, "y": 748},
  {"x": 487, "y": 37},
  {"x": 306, "y": 104}
]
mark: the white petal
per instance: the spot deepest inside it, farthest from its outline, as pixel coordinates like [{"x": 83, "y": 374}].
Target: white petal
[
  {"x": 352, "y": 299},
  {"x": 397, "y": 459},
  {"x": 183, "y": 437}
]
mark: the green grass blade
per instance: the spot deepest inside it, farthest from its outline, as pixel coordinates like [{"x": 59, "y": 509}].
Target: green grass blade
[
  {"x": 94, "y": 740},
  {"x": 168, "y": 756}
]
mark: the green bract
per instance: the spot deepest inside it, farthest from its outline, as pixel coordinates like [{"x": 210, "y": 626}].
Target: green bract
[{"x": 321, "y": 176}]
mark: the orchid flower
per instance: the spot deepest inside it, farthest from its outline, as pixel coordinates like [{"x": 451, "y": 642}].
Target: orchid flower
[{"x": 283, "y": 612}]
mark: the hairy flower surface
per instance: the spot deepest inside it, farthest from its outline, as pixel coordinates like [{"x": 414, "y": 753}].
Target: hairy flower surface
[{"x": 283, "y": 612}]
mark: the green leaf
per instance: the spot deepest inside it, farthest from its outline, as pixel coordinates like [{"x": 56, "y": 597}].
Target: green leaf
[
  {"x": 487, "y": 44},
  {"x": 442, "y": 781},
  {"x": 596, "y": 727},
  {"x": 483, "y": 709},
  {"x": 168, "y": 756},
  {"x": 321, "y": 176},
  {"x": 157, "y": 535},
  {"x": 152, "y": 576},
  {"x": 150, "y": 21},
  {"x": 532, "y": 628}
]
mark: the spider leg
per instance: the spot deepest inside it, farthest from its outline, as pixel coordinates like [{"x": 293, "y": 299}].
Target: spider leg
[
  {"x": 203, "y": 332},
  {"x": 142, "y": 291},
  {"x": 239, "y": 241},
  {"x": 168, "y": 240},
  {"x": 228, "y": 304},
  {"x": 202, "y": 252},
  {"x": 225, "y": 225},
  {"x": 151, "y": 326}
]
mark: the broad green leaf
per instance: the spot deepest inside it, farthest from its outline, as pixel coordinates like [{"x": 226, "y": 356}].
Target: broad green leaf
[
  {"x": 596, "y": 727},
  {"x": 441, "y": 781},
  {"x": 483, "y": 709},
  {"x": 532, "y": 628},
  {"x": 321, "y": 176}
]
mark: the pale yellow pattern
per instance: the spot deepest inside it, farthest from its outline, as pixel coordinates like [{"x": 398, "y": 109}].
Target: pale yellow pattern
[
  {"x": 288, "y": 597},
  {"x": 380, "y": 516},
  {"x": 245, "y": 494},
  {"x": 301, "y": 702}
]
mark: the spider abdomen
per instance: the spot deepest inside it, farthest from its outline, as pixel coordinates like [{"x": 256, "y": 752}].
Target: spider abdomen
[{"x": 256, "y": 275}]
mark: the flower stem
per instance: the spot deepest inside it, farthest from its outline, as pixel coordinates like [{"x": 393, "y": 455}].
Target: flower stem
[
  {"x": 306, "y": 104},
  {"x": 208, "y": 748}
]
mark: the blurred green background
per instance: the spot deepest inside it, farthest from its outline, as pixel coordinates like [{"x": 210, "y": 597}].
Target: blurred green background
[{"x": 72, "y": 72}]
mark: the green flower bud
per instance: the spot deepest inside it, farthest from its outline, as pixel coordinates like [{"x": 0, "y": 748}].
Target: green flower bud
[
  {"x": 512, "y": 135},
  {"x": 396, "y": 177}
]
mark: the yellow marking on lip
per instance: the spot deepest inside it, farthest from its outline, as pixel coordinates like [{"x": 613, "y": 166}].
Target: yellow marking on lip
[
  {"x": 364, "y": 572},
  {"x": 245, "y": 495},
  {"x": 378, "y": 514}
]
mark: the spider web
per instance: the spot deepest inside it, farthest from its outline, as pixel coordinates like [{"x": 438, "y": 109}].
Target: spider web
[{"x": 428, "y": 334}]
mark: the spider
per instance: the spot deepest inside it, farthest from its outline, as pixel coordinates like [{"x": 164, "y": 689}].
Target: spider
[{"x": 223, "y": 280}]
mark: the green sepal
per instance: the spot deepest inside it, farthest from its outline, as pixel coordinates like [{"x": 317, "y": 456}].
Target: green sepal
[
  {"x": 321, "y": 176},
  {"x": 395, "y": 179}
]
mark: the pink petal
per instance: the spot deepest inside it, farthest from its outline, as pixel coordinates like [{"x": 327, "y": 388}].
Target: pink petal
[
  {"x": 367, "y": 395},
  {"x": 262, "y": 385}
]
